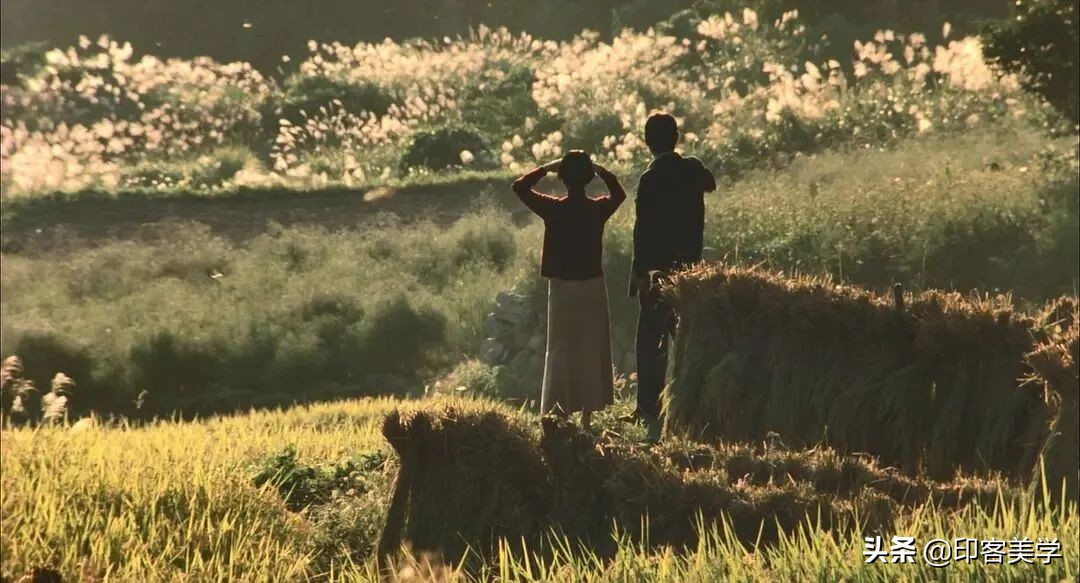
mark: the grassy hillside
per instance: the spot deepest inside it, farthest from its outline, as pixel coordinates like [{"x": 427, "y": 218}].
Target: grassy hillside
[
  {"x": 300, "y": 312},
  {"x": 178, "y": 500},
  {"x": 204, "y": 324}
]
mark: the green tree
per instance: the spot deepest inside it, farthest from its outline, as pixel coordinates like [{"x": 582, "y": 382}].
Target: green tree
[{"x": 1041, "y": 42}]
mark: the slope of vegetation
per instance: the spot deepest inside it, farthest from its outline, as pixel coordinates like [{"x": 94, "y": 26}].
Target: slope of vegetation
[
  {"x": 205, "y": 323},
  {"x": 751, "y": 92}
]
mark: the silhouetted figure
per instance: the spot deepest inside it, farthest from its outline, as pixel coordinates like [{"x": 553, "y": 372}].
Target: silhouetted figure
[
  {"x": 668, "y": 235},
  {"x": 577, "y": 366}
]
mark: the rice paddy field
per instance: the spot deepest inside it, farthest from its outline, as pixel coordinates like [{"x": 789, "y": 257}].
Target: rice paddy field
[
  {"x": 178, "y": 501},
  {"x": 269, "y": 290}
]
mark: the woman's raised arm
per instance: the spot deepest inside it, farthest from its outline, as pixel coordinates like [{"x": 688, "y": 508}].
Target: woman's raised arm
[
  {"x": 523, "y": 187},
  {"x": 616, "y": 192}
]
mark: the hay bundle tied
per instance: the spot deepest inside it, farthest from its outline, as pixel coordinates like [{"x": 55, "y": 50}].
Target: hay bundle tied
[
  {"x": 926, "y": 382},
  {"x": 469, "y": 479}
]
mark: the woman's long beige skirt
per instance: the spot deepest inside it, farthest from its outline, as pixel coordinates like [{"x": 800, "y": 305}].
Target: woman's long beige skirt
[{"x": 577, "y": 367}]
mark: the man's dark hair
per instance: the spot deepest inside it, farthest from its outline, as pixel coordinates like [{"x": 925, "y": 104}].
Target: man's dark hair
[
  {"x": 576, "y": 169},
  {"x": 661, "y": 132}
]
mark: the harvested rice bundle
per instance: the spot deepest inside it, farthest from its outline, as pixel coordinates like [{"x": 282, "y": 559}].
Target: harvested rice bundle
[
  {"x": 1055, "y": 362},
  {"x": 469, "y": 478},
  {"x": 21, "y": 402},
  {"x": 661, "y": 505},
  {"x": 10, "y": 371},
  {"x": 824, "y": 470},
  {"x": 931, "y": 387},
  {"x": 18, "y": 396},
  {"x": 466, "y": 479},
  {"x": 55, "y": 404}
]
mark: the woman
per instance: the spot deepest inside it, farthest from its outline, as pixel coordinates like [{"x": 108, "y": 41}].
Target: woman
[{"x": 577, "y": 367}]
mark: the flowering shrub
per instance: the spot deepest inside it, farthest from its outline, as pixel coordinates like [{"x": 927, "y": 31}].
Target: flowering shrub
[
  {"x": 748, "y": 92},
  {"x": 90, "y": 109},
  {"x": 327, "y": 144},
  {"x": 304, "y": 96}
]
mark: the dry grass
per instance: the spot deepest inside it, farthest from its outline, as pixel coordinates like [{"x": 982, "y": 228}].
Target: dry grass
[
  {"x": 175, "y": 501},
  {"x": 932, "y": 386},
  {"x": 562, "y": 481},
  {"x": 1054, "y": 362}
]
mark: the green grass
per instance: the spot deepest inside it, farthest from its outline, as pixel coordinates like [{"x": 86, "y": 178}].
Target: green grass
[
  {"x": 206, "y": 324},
  {"x": 302, "y": 312},
  {"x": 177, "y": 501},
  {"x": 988, "y": 211},
  {"x": 16, "y": 208}
]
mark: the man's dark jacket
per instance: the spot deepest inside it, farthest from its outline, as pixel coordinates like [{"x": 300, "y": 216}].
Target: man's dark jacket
[{"x": 670, "y": 208}]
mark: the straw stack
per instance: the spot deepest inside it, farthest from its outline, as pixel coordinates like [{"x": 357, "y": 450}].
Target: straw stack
[
  {"x": 469, "y": 478},
  {"x": 926, "y": 382},
  {"x": 1054, "y": 362},
  {"x": 18, "y": 395}
]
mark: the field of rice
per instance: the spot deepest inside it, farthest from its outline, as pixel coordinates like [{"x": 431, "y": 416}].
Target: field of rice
[
  {"x": 265, "y": 304},
  {"x": 179, "y": 501}
]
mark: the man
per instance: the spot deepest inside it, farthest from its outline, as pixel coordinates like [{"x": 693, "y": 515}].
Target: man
[{"x": 668, "y": 235}]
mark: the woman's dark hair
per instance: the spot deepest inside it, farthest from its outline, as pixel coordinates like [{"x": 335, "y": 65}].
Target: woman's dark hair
[
  {"x": 576, "y": 169},
  {"x": 661, "y": 132}
]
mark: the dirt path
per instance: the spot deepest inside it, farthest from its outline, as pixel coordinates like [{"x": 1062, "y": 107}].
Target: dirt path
[{"x": 91, "y": 221}]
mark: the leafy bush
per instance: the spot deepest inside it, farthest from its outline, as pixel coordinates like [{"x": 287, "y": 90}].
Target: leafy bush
[
  {"x": 444, "y": 147},
  {"x": 472, "y": 377},
  {"x": 399, "y": 336},
  {"x": 492, "y": 245},
  {"x": 1041, "y": 44},
  {"x": 588, "y": 130},
  {"x": 500, "y": 99}
]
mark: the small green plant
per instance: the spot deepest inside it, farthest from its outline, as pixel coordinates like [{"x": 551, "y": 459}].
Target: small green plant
[
  {"x": 302, "y": 485},
  {"x": 471, "y": 377}
]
